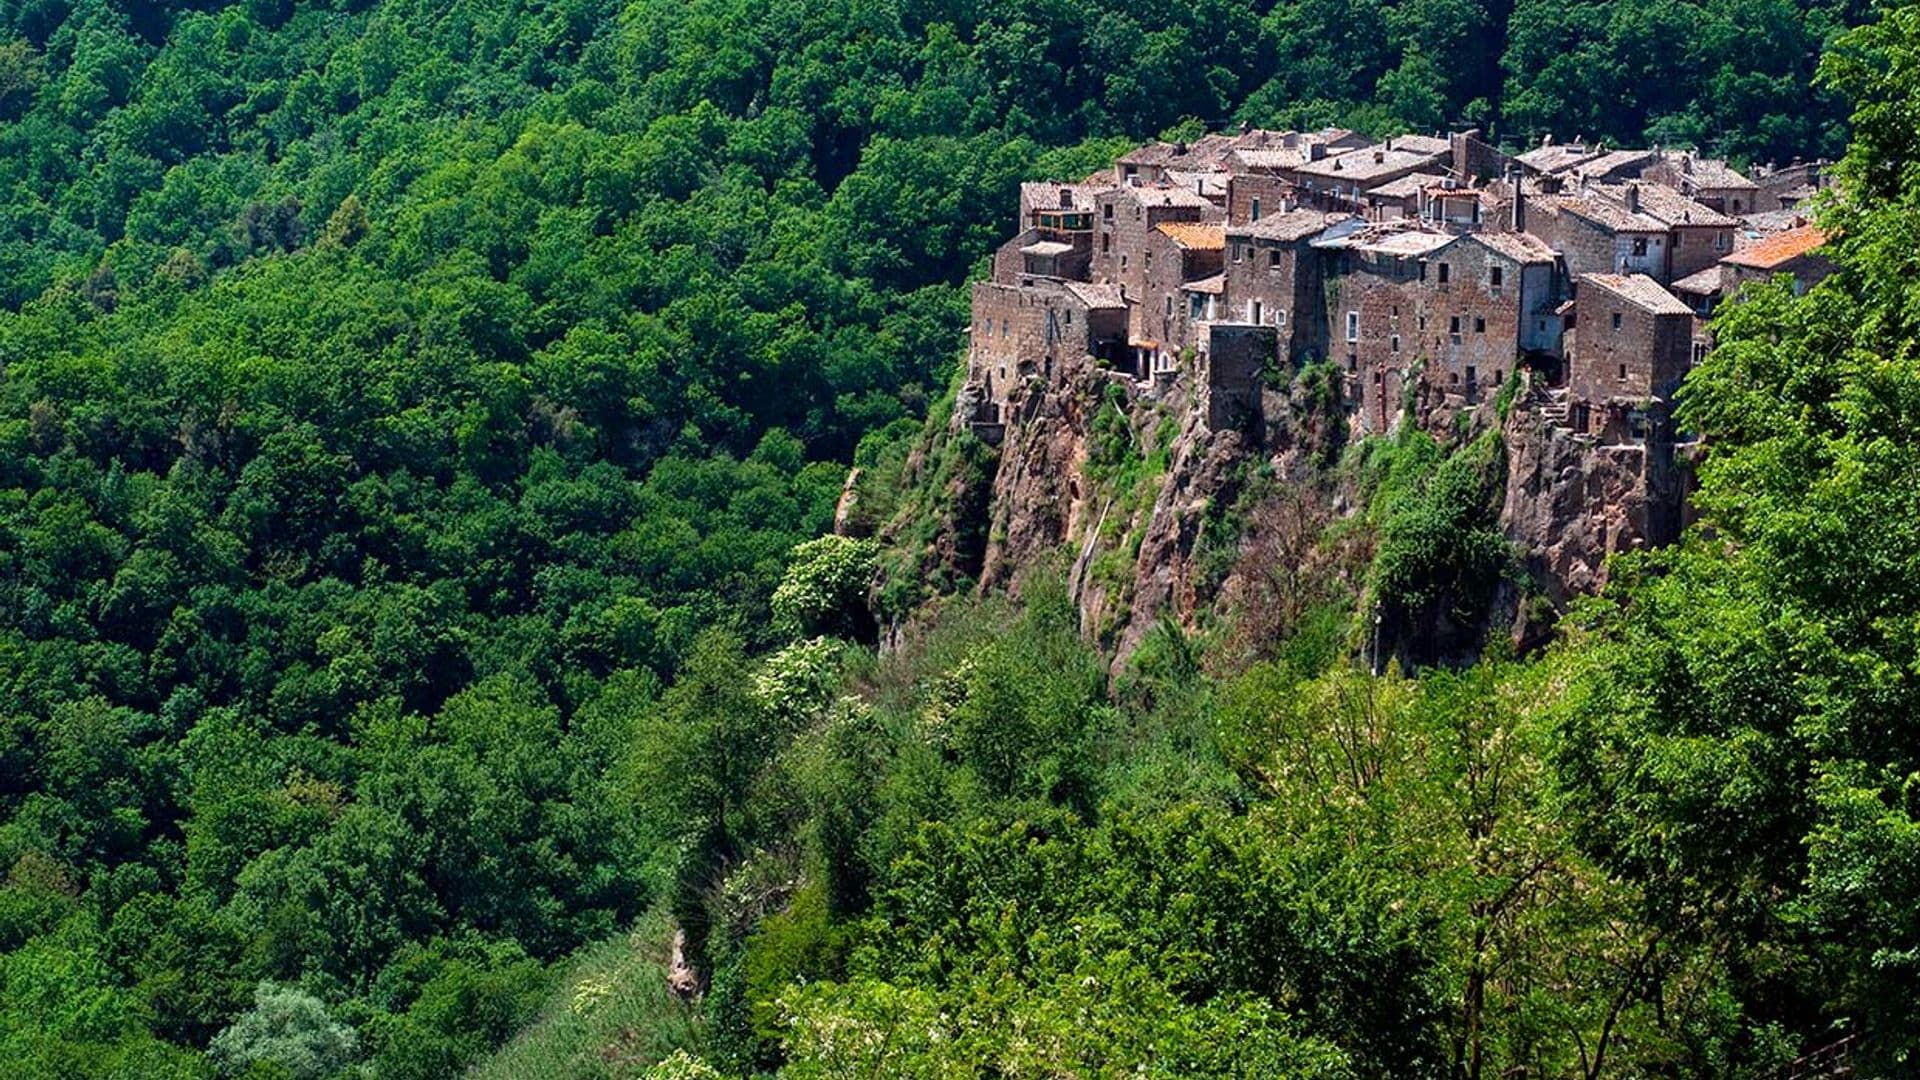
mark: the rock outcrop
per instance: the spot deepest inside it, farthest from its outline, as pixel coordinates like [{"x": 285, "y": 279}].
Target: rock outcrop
[{"x": 1127, "y": 488}]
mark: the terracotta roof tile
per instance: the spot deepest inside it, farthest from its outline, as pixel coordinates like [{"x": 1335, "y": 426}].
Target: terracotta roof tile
[
  {"x": 1779, "y": 249},
  {"x": 1195, "y": 236}
]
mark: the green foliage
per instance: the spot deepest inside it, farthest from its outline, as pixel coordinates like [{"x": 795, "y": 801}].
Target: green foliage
[
  {"x": 825, "y": 588},
  {"x": 288, "y": 1029},
  {"x": 1440, "y": 551}
]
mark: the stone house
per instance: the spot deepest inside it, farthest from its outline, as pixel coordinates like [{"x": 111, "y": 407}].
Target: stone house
[
  {"x": 1629, "y": 345},
  {"x": 1273, "y": 277},
  {"x": 1399, "y": 199},
  {"x": 1698, "y": 236},
  {"x": 1025, "y": 329},
  {"x": 1126, "y": 217},
  {"x": 1599, "y": 236},
  {"x": 1175, "y": 254},
  {"x": 1705, "y": 180},
  {"x": 1795, "y": 252},
  {"x": 1341, "y": 182}
]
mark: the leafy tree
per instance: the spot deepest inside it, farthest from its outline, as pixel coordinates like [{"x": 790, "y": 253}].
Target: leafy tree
[{"x": 288, "y": 1028}]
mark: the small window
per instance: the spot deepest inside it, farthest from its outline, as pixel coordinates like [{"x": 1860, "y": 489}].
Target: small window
[
  {"x": 1273, "y": 259},
  {"x": 1640, "y": 246},
  {"x": 1616, "y": 320},
  {"x": 1280, "y": 317},
  {"x": 1353, "y": 326},
  {"x": 1445, "y": 271},
  {"x": 1394, "y": 342},
  {"x": 1169, "y": 307},
  {"x": 1106, "y": 243},
  {"x": 1069, "y": 316},
  {"x": 1236, "y": 253},
  {"x": 1257, "y": 313},
  {"x": 1123, "y": 260},
  {"x": 1722, "y": 241},
  {"x": 1471, "y": 377},
  {"x": 1353, "y": 363},
  {"x": 1003, "y": 328},
  {"x": 1736, "y": 206},
  {"x": 1256, "y": 209},
  {"x": 1149, "y": 263},
  {"x": 1453, "y": 324},
  {"x": 1106, "y": 211},
  {"x": 1494, "y": 275},
  {"x": 1623, "y": 373},
  {"x": 1479, "y": 325}
]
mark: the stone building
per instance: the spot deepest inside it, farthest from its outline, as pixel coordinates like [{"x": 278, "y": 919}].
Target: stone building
[
  {"x": 1629, "y": 346},
  {"x": 1795, "y": 252},
  {"x": 1342, "y": 181},
  {"x": 1599, "y": 236},
  {"x": 1273, "y": 278},
  {"x": 1698, "y": 236},
  {"x": 1705, "y": 180},
  {"x": 1024, "y": 329},
  {"x": 1175, "y": 254},
  {"x": 1125, "y": 219}
]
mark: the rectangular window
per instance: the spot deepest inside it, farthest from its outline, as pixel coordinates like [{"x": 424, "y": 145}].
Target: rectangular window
[
  {"x": 1616, "y": 320},
  {"x": 1353, "y": 326},
  {"x": 1353, "y": 363},
  {"x": 1257, "y": 313},
  {"x": 1471, "y": 379},
  {"x": 1623, "y": 373},
  {"x": 1394, "y": 342},
  {"x": 1494, "y": 275},
  {"x": 1106, "y": 243},
  {"x": 1453, "y": 324},
  {"x": 1106, "y": 211},
  {"x": 1280, "y": 317},
  {"x": 1640, "y": 246},
  {"x": 1445, "y": 271},
  {"x": 1236, "y": 253},
  {"x": 1256, "y": 209},
  {"x": 1149, "y": 263},
  {"x": 1479, "y": 325},
  {"x": 1273, "y": 259},
  {"x": 1123, "y": 261}
]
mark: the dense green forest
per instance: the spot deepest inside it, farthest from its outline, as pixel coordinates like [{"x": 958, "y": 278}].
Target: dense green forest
[{"x": 416, "y": 421}]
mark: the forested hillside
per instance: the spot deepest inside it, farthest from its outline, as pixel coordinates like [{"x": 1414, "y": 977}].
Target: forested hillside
[{"x": 412, "y": 413}]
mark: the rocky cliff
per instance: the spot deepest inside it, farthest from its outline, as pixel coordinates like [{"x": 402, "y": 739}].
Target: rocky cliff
[{"x": 1150, "y": 511}]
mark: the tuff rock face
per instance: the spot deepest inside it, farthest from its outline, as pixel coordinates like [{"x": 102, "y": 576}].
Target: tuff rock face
[
  {"x": 1132, "y": 550},
  {"x": 1571, "y": 503}
]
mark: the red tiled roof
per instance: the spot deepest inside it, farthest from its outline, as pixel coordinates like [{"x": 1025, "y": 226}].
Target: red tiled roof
[
  {"x": 1195, "y": 237},
  {"x": 1779, "y": 249}
]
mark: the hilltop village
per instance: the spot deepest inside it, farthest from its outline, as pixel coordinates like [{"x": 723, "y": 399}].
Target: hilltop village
[
  {"x": 1429, "y": 269},
  {"x": 1560, "y": 294}
]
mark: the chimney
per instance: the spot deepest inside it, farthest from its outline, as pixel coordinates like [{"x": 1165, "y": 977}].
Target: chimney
[
  {"x": 1633, "y": 197},
  {"x": 1379, "y": 157},
  {"x": 1180, "y": 149},
  {"x": 1519, "y": 206}
]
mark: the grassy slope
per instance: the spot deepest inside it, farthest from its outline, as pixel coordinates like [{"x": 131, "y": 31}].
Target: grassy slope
[{"x": 610, "y": 1015}]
